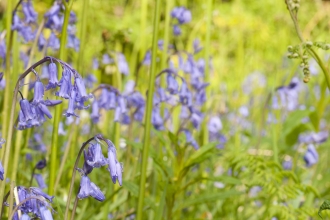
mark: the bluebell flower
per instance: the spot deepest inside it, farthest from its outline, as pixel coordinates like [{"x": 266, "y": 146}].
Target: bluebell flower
[
  {"x": 38, "y": 192},
  {"x": 135, "y": 100},
  {"x": 87, "y": 188},
  {"x": 27, "y": 33},
  {"x": 310, "y": 138},
  {"x": 70, "y": 111},
  {"x": 87, "y": 169},
  {"x": 196, "y": 46},
  {"x": 182, "y": 14},
  {"x": 287, "y": 164},
  {"x": 172, "y": 84},
  {"x": 45, "y": 213},
  {"x": 82, "y": 94},
  {"x": 29, "y": 12},
  {"x": 106, "y": 59},
  {"x": 190, "y": 139},
  {"x": 40, "y": 180},
  {"x": 25, "y": 217},
  {"x": 26, "y": 109},
  {"x": 39, "y": 92},
  {"x": 185, "y": 112},
  {"x": 73, "y": 42},
  {"x": 66, "y": 85},
  {"x": 156, "y": 119},
  {"x": 176, "y": 30},
  {"x": 54, "y": 10},
  {"x": 108, "y": 99},
  {"x": 61, "y": 130},
  {"x": 119, "y": 170},
  {"x": 122, "y": 104},
  {"x": 96, "y": 159},
  {"x": 147, "y": 58},
  {"x": 95, "y": 115},
  {"x": 125, "y": 119},
  {"x": 161, "y": 95},
  {"x": 311, "y": 156},
  {"x": 53, "y": 42},
  {"x": 122, "y": 64},
  {"x": 17, "y": 23},
  {"x": 24, "y": 58},
  {"x": 214, "y": 124},
  {"x": 89, "y": 80},
  {"x": 41, "y": 164},
  {"x": 2, "y": 49},
  {"x": 112, "y": 163},
  {"x": 220, "y": 139},
  {"x": 185, "y": 95},
  {"x": 2, "y": 171},
  {"x": 41, "y": 42},
  {"x": 118, "y": 113},
  {"x": 196, "y": 117},
  {"x": 53, "y": 80},
  {"x": 200, "y": 97},
  {"x": 139, "y": 114}
]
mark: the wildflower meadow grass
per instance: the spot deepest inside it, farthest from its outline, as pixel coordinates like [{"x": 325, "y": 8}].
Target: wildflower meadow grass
[{"x": 164, "y": 109}]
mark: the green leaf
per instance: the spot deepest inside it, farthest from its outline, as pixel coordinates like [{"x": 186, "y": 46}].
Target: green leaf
[
  {"x": 294, "y": 120},
  {"x": 131, "y": 187},
  {"x": 325, "y": 205},
  {"x": 208, "y": 197},
  {"x": 197, "y": 155}
]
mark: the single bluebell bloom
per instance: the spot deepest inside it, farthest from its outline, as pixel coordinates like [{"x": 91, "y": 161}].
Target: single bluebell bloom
[
  {"x": 135, "y": 100},
  {"x": 39, "y": 92},
  {"x": 176, "y": 12},
  {"x": 122, "y": 64},
  {"x": 125, "y": 119},
  {"x": 97, "y": 159},
  {"x": 89, "y": 80},
  {"x": 2, "y": 49},
  {"x": 161, "y": 94},
  {"x": 122, "y": 104},
  {"x": 95, "y": 115},
  {"x": 17, "y": 23},
  {"x": 53, "y": 42},
  {"x": 172, "y": 84},
  {"x": 41, "y": 164},
  {"x": 42, "y": 110},
  {"x": 41, "y": 42},
  {"x": 55, "y": 9},
  {"x": 196, "y": 117},
  {"x": 139, "y": 114},
  {"x": 185, "y": 16},
  {"x": 311, "y": 156},
  {"x": 176, "y": 30},
  {"x": 29, "y": 12},
  {"x": 66, "y": 85},
  {"x": 73, "y": 42},
  {"x": 118, "y": 113},
  {"x": 214, "y": 124},
  {"x": 147, "y": 58},
  {"x": 96, "y": 193},
  {"x": 25, "y": 217},
  {"x": 40, "y": 180},
  {"x": 112, "y": 163},
  {"x": 196, "y": 46},
  {"x": 70, "y": 111},
  {"x": 82, "y": 93},
  {"x": 106, "y": 59},
  {"x": 156, "y": 119},
  {"x": 185, "y": 95},
  {"x": 87, "y": 169},
  {"x": 53, "y": 80},
  {"x": 119, "y": 171},
  {"x": 26, "y": 109},
  {"x": 61, "y": 130},
  {"x": 27, "y": 33},
  {"x": 190, "y": 139},
  {"x": 45, "y": 213},
  {"x": 39, "y": 192},
  {"x": 200, "y": 97}
]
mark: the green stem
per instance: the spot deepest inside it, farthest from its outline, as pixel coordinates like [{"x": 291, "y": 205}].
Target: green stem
[
  {"x": 58, "y": 108},
  {"x": 83, "y": 27},
  {"x": 151, "y": 89},
  {"x": 310, "y": 50}
]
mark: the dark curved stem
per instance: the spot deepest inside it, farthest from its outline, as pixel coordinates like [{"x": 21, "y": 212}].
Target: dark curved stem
[
  {"x": 75, "y": 206},
  {"x": 99, "y": 136},
  {"x": 4, "y": 200}
]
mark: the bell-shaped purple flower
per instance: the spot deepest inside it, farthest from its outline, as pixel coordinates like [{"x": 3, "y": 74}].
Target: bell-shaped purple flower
[
  {"x": 29, "y": 13},
  {"x": 51, "y": 102},
  {"x": 65, "y": 85},
  {"x": 311, "y": 157},
  {"x": 82, "y": 94},
  {"x": 190, "y": 139},
  {"x": 157, "y": 120},
  {"x": 53, "y": 80},
  {"x": 39, "y": 92},
  {"x": 96, "y": 193},
  {"x": 53, "y": 41},
  {"x": 185, "y": 95},
  {"x": 119, "y": 171},
  {"x": 122, "y": 64},
  {"x": 172, "y": 84},
  {"x": 40, "y": 180},
  {"x": 25, "y": 217},
  {"x": 45, "y": 214},
  {"x": 95, "y": 115},
  {"x": 176, "y": 30},
  {"x": 39, "y": 192},
  {"x": 214, "y": 124},
  {"x": 70, "y": 111},
  {"x": 89, "y": 80},
  {"x": 26, "y": 109},
  {"x": 97, "y": 159},
  {"x": 112, "y": 163}
]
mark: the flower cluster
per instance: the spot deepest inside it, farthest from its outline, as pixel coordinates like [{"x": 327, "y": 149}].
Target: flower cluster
[
  {"x": 287, "y": 97},
  {"x": 33, "y": 113},
  {"x": 183, "y": 16},
  {"x": 94, "y": 159},
  {"x": 37, "y": 203}
]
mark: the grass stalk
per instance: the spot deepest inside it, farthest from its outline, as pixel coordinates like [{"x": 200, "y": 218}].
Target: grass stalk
[
  {"x": 146, "y": 142},
  {"x": 58, "y": 108}
]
